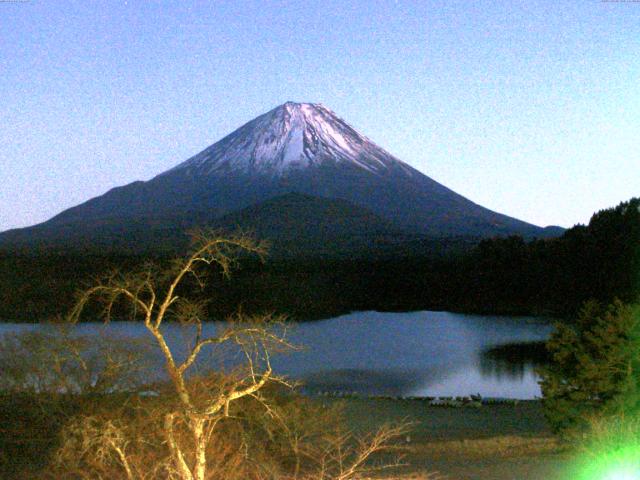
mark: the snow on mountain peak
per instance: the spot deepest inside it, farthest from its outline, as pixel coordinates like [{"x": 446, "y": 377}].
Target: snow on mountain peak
[{"x": 291, "y": 136}]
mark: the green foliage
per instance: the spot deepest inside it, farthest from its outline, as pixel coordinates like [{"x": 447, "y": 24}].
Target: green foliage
[
  {"x": 595, "y": 368},
  {"x": 611, "y": 451}
]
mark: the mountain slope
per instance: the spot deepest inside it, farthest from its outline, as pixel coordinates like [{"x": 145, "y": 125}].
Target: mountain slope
[
  {"x": 302, "y": 225},
  {"x": 303, "y": 148}
]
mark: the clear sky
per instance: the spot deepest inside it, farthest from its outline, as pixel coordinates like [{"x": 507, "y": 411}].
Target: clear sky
[{"x": 530, "y": 108}]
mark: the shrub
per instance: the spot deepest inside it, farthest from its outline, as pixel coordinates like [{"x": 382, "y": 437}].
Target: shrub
[
  {"x": 222, "y": 424},
  {"x": 595, "y": 368}
]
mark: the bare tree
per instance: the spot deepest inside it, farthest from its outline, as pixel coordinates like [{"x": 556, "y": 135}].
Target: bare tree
[
  {"x": 154, "y": 298},
  {"x": 59, "y": 362},
  {"x": 346, "y": 457},
  {"x": 320, "y": 448},
  {"x": 199, "y": 403}
]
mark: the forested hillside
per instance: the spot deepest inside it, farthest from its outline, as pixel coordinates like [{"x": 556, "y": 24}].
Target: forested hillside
[{"x": 599, "y": 261}]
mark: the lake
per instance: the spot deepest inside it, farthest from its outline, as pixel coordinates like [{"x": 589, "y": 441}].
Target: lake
[{"x": 402, "y": 354}]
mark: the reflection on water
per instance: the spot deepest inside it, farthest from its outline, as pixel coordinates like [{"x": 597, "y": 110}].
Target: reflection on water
[
  {"x": 513, "y": 361},
  {"x": 374, "y": 353}
]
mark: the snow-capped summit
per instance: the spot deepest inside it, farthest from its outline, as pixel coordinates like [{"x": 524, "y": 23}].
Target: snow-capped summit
[
  {"x": 291, "y": 136},
  {"x": 297, "y": 148}
]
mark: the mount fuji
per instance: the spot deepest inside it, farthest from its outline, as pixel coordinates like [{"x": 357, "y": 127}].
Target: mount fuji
[{"x": 297, "y": 148}]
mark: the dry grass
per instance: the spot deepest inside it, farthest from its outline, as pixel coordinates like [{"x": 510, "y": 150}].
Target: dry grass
[
  {"x": 495, "y": 442},
  {"x": 501, "y": 446}
]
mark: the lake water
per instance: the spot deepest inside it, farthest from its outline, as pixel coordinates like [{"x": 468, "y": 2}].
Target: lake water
[{"x": 404, "y": 354}]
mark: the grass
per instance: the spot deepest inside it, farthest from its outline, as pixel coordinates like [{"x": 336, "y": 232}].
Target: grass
[{"x": 493, "y": 442}]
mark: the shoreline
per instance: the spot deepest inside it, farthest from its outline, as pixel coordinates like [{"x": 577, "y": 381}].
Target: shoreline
[{"x": 493, "y": 442}]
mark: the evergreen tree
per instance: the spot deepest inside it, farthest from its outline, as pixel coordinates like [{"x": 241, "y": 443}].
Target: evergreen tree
[{"x": 595, "y": 368}]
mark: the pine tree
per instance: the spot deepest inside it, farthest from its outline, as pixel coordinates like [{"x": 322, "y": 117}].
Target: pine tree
[{"x": 595, "y": 368}]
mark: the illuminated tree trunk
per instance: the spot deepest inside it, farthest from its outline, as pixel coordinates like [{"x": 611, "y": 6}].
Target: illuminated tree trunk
[
  {"x": 176, "y": 452},
  {"x": 200, "y": 441}
]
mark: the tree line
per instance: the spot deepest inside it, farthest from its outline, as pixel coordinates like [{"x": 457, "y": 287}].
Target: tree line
[{"x": 599, "y": 261}]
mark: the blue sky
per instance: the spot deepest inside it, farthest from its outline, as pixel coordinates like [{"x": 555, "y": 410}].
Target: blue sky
[{"x": 530, "y": 108}]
